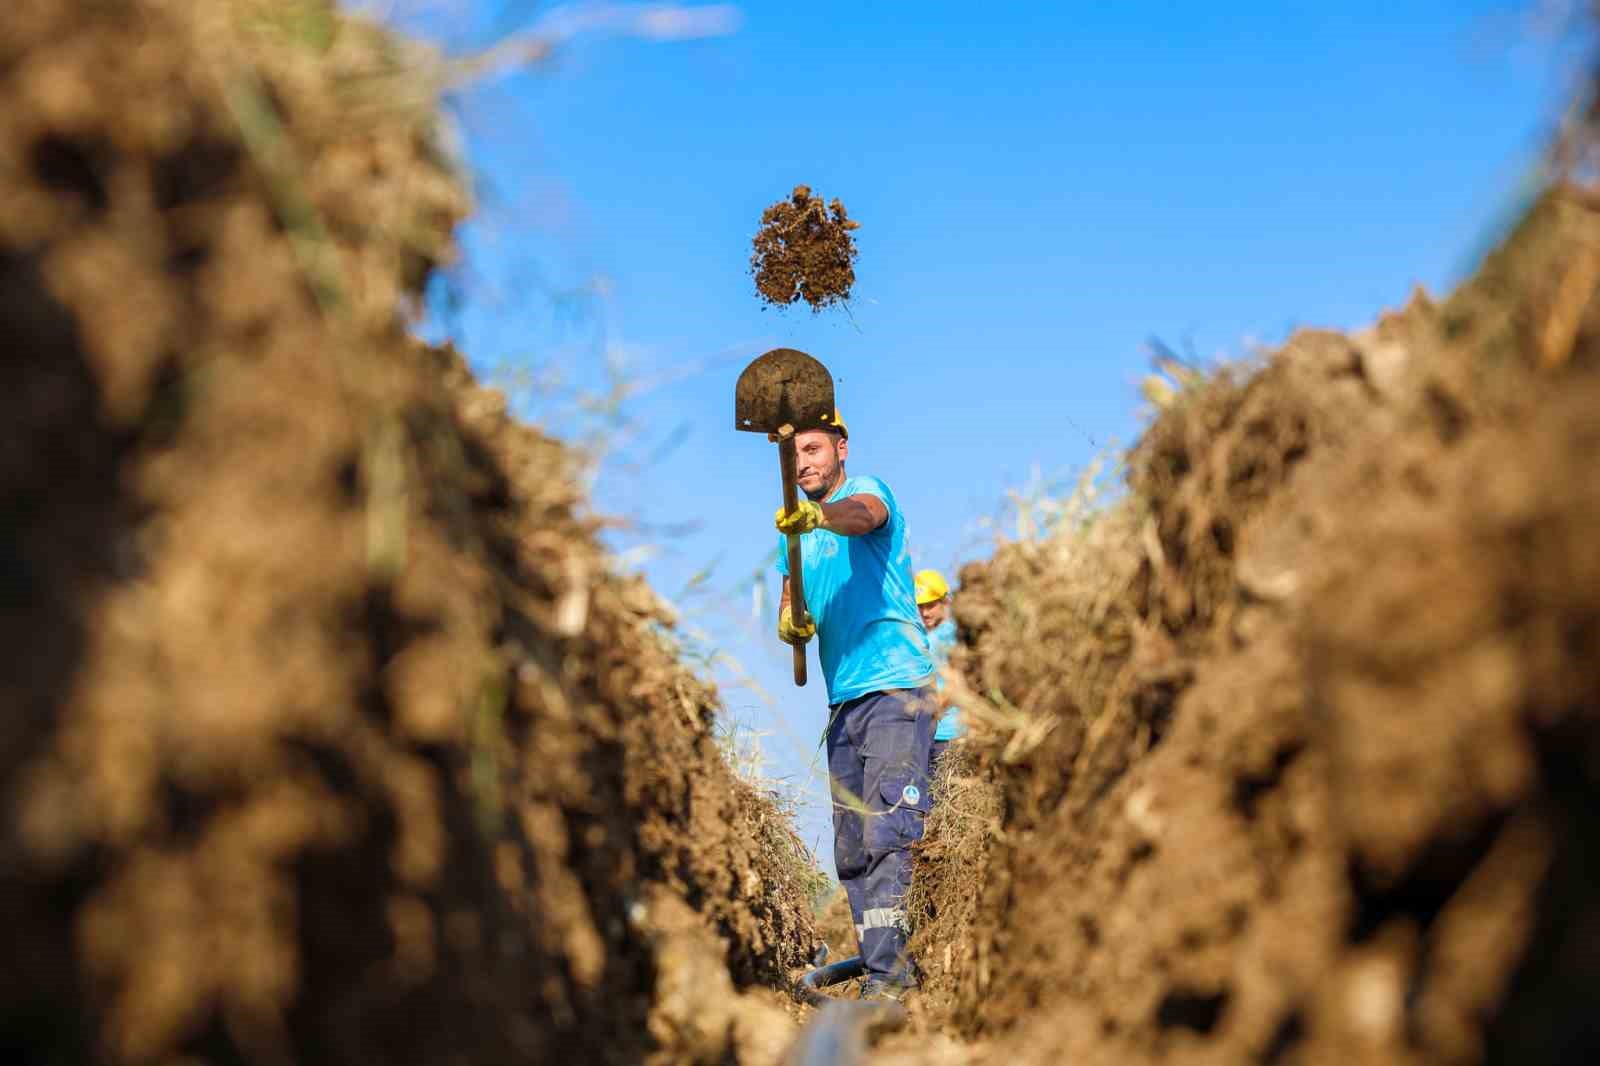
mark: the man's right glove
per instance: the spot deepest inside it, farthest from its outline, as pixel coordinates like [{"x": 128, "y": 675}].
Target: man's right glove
[
  {"x": 790, "y": 633},
  {"x": 806, "y": 516}
]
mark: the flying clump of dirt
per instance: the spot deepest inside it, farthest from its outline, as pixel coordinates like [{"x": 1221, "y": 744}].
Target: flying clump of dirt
[{"x": 804, "y": 250}]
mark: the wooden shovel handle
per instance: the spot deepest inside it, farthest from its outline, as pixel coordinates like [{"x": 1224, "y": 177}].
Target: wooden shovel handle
[
  {"x": 799, "y": 653},
  {"x": 797, "y": 587}
]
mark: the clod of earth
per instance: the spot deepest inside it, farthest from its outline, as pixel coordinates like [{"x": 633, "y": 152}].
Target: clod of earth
[{"x": 804, "y": 250}]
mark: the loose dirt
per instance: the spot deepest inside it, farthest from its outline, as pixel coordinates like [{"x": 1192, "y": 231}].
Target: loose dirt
[
  {"x": 332, "y": 733},
  {"x": 1294, "y": 748},
  {"x": 804, "y": 250},
  {"x": 836, "y": 927}
]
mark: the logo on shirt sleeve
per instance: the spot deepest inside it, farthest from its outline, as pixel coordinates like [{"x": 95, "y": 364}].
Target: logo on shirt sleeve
[{"x": 911, "y": 795}]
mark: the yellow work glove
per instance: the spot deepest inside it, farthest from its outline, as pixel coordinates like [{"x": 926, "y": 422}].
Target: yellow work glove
[
  {"x": 790, "y": 633},
  {"x": 805, "y": 517}
]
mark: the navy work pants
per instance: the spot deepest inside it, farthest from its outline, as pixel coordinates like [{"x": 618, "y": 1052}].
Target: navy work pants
[{"x": 878, "y": 748}]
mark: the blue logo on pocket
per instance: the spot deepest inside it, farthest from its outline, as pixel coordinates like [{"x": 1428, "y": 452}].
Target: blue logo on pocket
[{"x": 910, "y": 795}]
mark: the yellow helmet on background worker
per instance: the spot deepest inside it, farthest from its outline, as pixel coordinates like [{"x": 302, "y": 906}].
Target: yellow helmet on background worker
[
  {"x": 838, "y": 424},
  {"x": 930, "y": 586}
]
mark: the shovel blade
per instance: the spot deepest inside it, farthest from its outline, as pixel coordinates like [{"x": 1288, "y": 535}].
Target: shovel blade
[{"x": 783, "y": 387}]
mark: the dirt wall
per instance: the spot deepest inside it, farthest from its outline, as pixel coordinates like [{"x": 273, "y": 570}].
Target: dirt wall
[
  {"x": 1294, "y": 745},
  {"x": 332, "y": 736}
]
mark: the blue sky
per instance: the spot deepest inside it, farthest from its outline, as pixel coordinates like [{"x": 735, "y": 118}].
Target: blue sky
[{"x": 1041, "y": 188}]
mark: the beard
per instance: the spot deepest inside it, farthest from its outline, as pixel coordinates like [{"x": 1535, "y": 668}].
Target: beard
[{"x": 830, "y": 481}]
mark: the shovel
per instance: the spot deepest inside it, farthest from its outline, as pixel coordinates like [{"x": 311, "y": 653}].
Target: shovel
[{"x": 780, "y": 394}]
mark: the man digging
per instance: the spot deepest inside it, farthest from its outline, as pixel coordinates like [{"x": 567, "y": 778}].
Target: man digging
[{"x": 857, "y": 579}]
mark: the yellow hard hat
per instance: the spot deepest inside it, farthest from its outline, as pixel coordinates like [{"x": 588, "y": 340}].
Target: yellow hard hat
[
  {"x": 838, "y": 424},
  {"x": 930, "y": 587}
]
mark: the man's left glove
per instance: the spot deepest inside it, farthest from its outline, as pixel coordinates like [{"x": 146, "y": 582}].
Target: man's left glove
[
  {"x": 806, "y": 516},
  {"x": 790, "y": 633}
]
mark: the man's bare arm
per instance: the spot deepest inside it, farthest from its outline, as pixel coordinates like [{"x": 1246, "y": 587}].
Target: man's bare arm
[
  {"x": 855, "y": 515},
  {"x": 849, "y": 517}
]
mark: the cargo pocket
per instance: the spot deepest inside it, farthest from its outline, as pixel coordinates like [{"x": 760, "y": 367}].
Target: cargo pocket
[{"x": 899, "y": 825}]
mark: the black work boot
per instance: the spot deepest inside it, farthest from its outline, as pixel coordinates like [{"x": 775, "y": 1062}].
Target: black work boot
[{"x": 880, "y": 988}]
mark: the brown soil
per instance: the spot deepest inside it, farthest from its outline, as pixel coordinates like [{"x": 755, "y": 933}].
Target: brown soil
[
  {"x": 332, "y": 736},
  {"x": 944, "y": 902},
  {"x": 836, "y": 927},
  {"x": 804, "y": 250},
  {"x": 1318, "y": 781}
]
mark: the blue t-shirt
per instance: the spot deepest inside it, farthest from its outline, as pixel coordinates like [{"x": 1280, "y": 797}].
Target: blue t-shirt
[
  {"x": 859, "y": 593},
  {"x": 941, "y": 639}
]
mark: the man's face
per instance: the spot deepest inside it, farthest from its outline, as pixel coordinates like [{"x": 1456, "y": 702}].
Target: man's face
[
  {"x": 818, "y": 458},
  {"x": 934, "y": 614}
]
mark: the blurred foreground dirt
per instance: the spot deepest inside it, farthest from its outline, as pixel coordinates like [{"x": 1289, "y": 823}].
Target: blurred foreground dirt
[{"x": 330, "y": 733}]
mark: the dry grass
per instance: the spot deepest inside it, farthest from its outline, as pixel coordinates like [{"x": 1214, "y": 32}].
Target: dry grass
[
  {"x": 946, "y": 896},
  {"x": 767, "y": 809},
  {"x": 791, "y": 882},
  {"x": 1083, "y": 575}
]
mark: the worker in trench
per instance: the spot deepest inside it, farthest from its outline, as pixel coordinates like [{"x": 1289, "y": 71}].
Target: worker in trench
[
  {"x": 932, "y": 593},
  {"x": 881, "y": 699}
]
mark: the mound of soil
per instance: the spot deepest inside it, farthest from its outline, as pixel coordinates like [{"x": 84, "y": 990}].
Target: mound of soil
[
  {"x": 955, "y": 847},
  {"x": 804, "y": 250},
  {"x": 836, "y": 926},
  {"x": 1297, "y": 746},
  {"x": 332, "y": 735}
]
